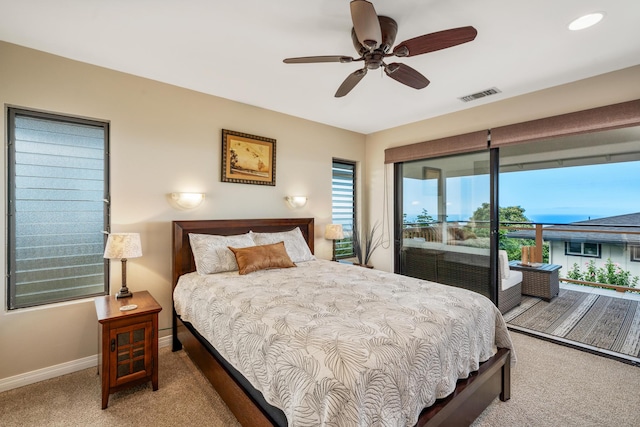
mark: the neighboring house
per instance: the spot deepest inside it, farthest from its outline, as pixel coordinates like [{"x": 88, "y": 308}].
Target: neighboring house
[{"x": 596, "y": 239}]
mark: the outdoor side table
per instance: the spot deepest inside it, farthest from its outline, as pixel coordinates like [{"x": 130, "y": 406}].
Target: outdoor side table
[{"x": 540, "y": 280}]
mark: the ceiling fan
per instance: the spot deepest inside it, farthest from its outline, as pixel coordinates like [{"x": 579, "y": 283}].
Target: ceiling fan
[{"x": 373, "y": 36}]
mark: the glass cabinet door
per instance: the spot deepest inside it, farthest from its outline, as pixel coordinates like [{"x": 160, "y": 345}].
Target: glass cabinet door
[{"x": 130, "y": 352}]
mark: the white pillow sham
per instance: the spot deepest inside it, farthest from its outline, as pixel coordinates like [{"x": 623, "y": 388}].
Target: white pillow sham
[
  {"x": 294, "y": 243},
  {"x": 211, "y": 252}
]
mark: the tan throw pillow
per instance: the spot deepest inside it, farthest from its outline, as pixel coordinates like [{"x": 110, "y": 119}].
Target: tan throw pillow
[{"x": 262, "y": 257}]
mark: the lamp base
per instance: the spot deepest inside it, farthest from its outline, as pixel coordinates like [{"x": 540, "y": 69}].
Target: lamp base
[{"x": 124, "y": 293}]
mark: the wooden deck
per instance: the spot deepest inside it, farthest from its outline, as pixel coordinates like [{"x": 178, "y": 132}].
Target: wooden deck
[{"x": 601, "y": 321}]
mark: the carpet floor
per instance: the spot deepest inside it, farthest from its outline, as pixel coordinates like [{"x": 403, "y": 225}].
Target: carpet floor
[
  {"x": 611, "y": 324},
  {"x": 551, "y": 386},
  {"x": 184, "y": 398}
]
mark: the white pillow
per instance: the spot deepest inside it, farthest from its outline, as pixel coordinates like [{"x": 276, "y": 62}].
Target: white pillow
[
  {"x": 294, "y": 243},
  {"x": 503, "y": 263},
  {"x": 211, "y": 252}
]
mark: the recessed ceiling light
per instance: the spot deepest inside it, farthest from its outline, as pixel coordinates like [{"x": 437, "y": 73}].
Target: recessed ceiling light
[{"x": 586, "y": 21}]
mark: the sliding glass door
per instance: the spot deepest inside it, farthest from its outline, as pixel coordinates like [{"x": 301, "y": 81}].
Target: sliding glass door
[{"x": 445, "y": 208}]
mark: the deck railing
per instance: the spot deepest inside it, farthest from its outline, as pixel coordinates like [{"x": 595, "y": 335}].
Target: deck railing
[{"x": 453, "y": 233}]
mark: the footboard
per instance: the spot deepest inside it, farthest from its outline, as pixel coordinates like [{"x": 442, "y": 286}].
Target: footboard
[{"x": 472, "y": 395}]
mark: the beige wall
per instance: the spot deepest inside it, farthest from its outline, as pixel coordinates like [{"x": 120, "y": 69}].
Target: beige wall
[
  {"x": 163, "y": 139},
  {"x": 611, "y": 88},
  {"x": 166, "y": 139}
]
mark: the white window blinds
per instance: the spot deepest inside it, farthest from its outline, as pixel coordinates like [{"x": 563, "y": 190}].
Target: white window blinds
[{"x": 343, "y": 207}]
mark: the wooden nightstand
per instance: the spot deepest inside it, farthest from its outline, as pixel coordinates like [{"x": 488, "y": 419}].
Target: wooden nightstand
[{"x": 129, "y": 342}]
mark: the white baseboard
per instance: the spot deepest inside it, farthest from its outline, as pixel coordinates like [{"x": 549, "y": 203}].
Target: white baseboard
[
  {"x": 165, "y": 341},
  {"x": 61, "y": 369}
]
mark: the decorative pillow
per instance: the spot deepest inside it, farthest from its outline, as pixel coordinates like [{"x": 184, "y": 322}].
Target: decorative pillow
[
  {"x": 211, "y": 252},
  {"x": 294, "y": 243},
  {"x": 262, "y": 257}
]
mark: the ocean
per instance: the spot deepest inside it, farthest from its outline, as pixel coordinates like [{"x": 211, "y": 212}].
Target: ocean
[
  {"x": 560, "y": 219},
  {"x": 541, "y": 218}
]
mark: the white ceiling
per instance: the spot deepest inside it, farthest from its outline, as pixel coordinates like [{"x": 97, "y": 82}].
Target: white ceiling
[{"x": 234, "y": 49}]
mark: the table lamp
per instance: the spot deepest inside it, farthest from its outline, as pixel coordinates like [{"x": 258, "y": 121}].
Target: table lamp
[
  {"x": 334, "y": 232},
  {"x": 123, "y": 246}
]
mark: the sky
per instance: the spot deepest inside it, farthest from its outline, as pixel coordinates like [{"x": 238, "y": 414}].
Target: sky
[
  {"x": 594, "y": 191},
  {"x": 559, "y": 195}
]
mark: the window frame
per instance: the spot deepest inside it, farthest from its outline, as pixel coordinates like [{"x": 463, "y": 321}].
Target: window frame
[
  {"x": 582, "y": 253},
  {"x": 634, "y": 252},
  {"x": 10, "y": 176},
  {"x": 348, "y": 239}
]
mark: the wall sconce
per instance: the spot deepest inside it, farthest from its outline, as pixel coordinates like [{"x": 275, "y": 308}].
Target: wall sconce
[
  {"x": 334, "y": 232},
  {"x": 188, "y": 200},
  {"x": 296, "y": 201},
  {"x": 123, "y": 246}
]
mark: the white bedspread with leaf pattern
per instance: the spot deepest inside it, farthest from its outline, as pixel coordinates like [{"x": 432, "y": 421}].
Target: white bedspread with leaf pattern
[{"x": 333, "y": 344}]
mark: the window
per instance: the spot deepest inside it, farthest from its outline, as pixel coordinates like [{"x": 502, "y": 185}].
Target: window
[
  {"x": 582, "y": 249},
  {"x": 343, "y": 206},
  {"x": 57, "y": 206},
  {"x": 635, "y": 253}
]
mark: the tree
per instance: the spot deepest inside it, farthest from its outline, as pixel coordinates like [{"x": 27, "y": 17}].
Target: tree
[
  {"x": 509, "y": 215},
  {"x": 424, "y": 218}
]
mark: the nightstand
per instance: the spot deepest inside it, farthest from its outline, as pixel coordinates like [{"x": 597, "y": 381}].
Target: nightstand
[{"x": 129, "y": 342}]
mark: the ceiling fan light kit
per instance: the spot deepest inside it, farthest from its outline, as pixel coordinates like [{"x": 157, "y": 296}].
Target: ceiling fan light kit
[{"x": 373, "y": 36}]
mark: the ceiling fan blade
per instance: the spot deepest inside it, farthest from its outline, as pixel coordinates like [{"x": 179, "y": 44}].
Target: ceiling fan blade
[
  {"x": 314, "y": 59},
  {"x": 366, "y": 24},
  {"x": 350, "y": 82},
  {"x": 406, "y": 75},
  {"x": 435, "y": 41}
]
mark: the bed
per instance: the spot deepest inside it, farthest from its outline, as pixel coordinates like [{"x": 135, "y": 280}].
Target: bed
[{"x": 468, "y": 398}]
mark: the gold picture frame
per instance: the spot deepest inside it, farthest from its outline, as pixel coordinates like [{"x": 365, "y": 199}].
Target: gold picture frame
[{"x": 248, "y": 159}]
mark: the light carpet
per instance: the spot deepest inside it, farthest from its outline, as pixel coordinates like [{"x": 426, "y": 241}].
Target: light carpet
[
  {"x": 552, "y": 385},
  {"x": 608, "y": 323}
]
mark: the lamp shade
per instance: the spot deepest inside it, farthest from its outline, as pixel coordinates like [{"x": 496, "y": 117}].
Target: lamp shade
[
  {"x": 296, "y": 201},
  {"x": 188, "y": 200},
  {"x": 365, "y": 23},
  {"x": 123, "y": 246},
  {"x": 333, "y": 232}
]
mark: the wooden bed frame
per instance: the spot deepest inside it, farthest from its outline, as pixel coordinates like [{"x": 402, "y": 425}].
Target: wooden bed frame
[{"x": 461, "y": 408}]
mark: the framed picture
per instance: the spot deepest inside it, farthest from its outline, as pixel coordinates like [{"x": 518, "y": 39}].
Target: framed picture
[{"x": 248, "y": 159}]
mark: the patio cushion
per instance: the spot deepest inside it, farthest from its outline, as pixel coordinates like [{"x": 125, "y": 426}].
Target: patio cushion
[
  {"x": 509, "y": 278},
  {"x": 503, "y": 264},
  {"x": 514, "y": 278}
]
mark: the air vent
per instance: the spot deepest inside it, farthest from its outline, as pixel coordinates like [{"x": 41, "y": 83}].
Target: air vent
[{"x": 479, "y": 95}]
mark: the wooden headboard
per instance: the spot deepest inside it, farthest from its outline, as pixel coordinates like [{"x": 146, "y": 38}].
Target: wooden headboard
[{"x": 183, "y": 257}]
